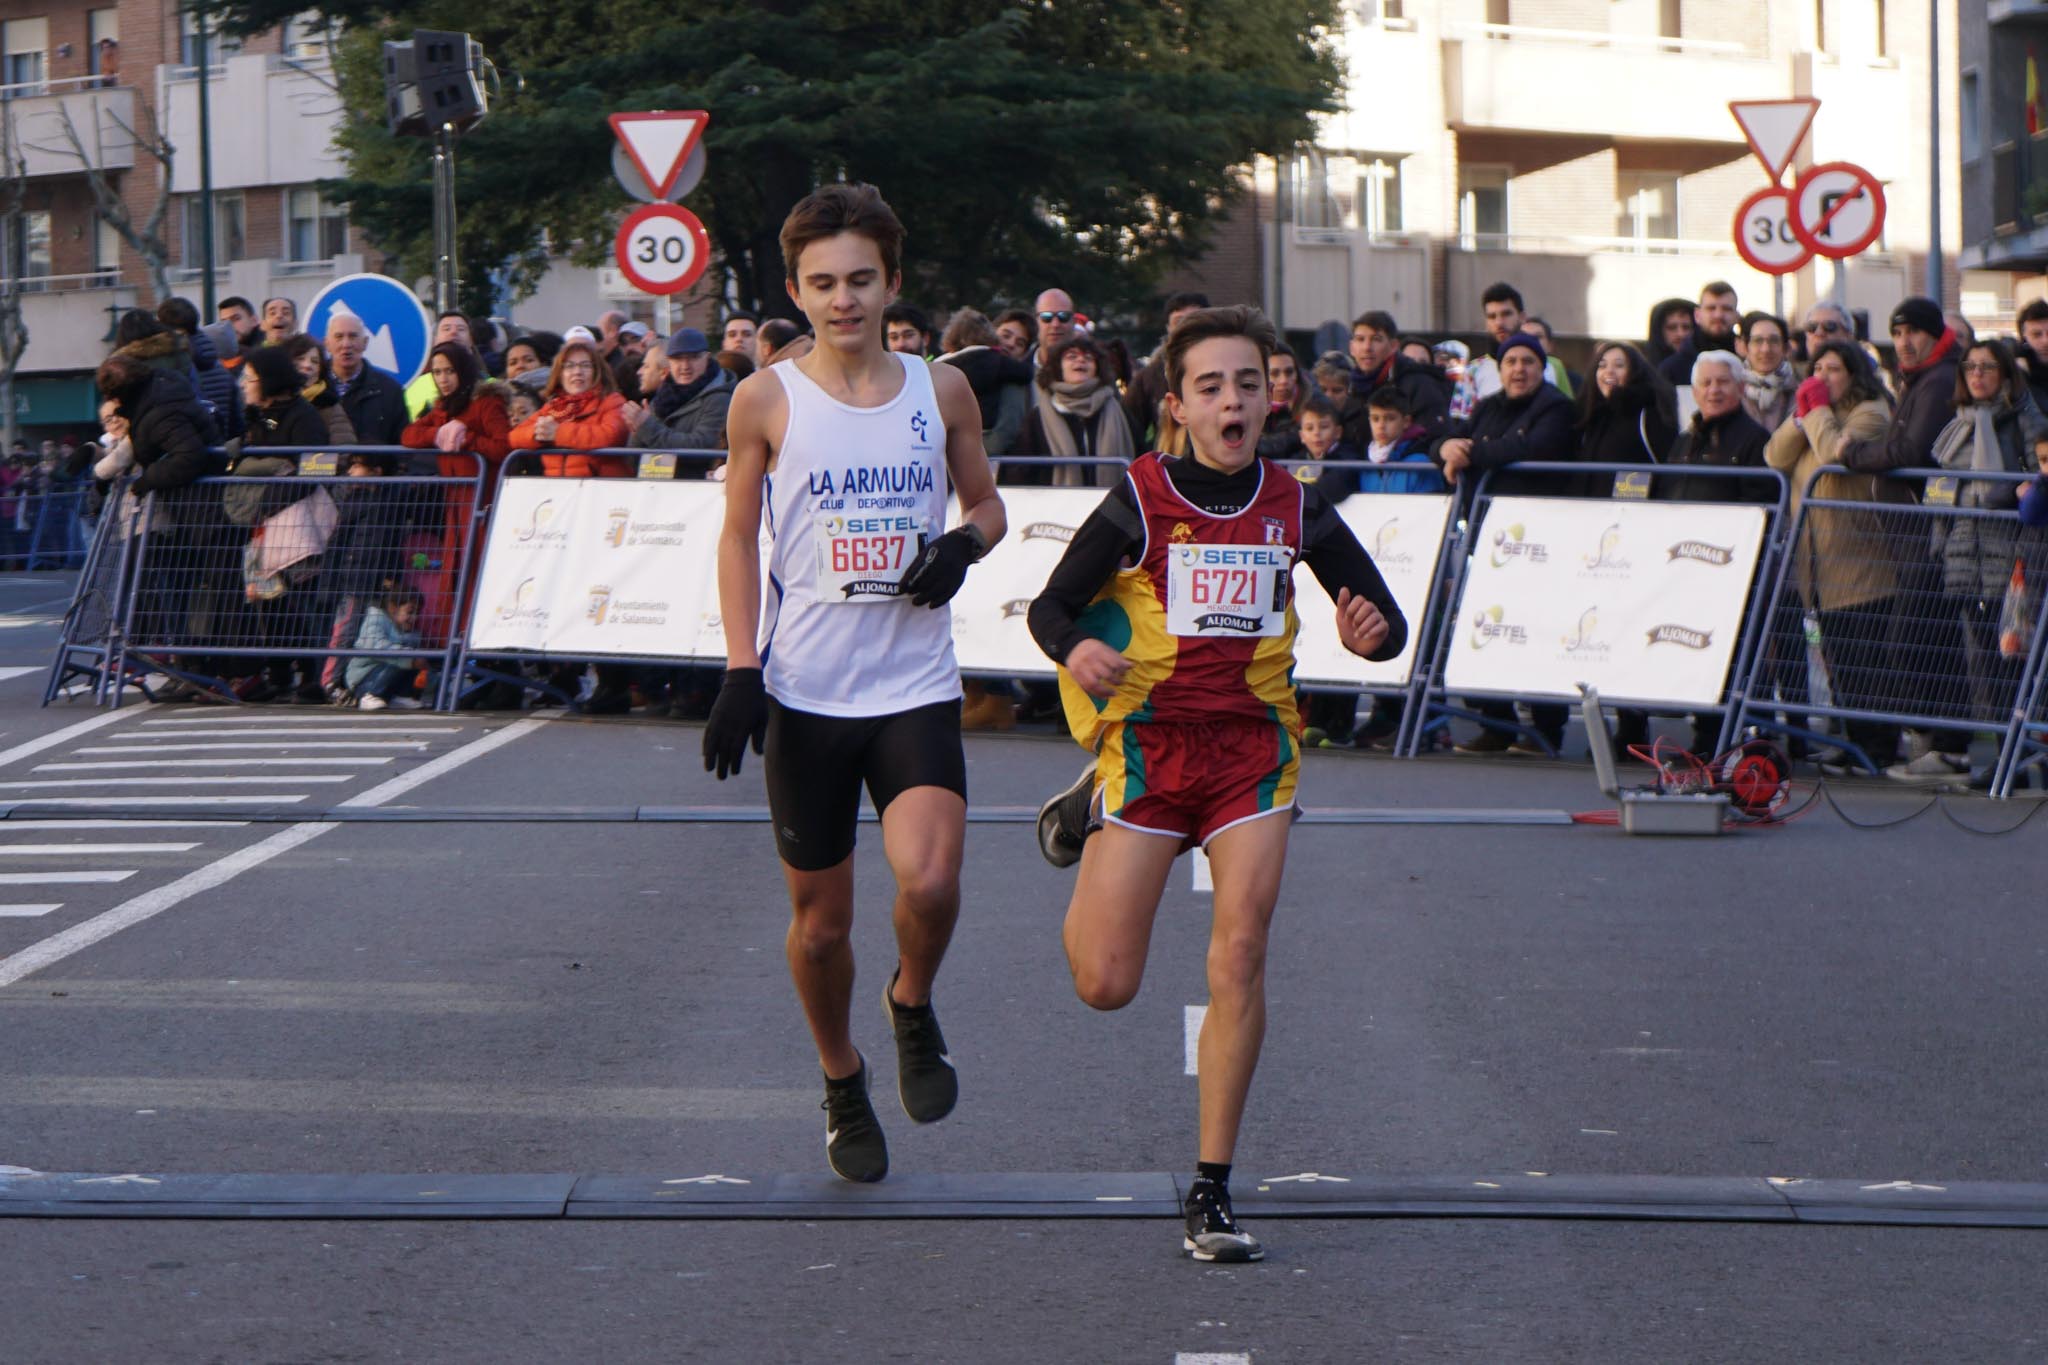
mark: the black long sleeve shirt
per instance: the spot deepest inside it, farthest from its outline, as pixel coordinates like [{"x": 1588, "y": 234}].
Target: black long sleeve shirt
[{"x": 1114, "y": 535}]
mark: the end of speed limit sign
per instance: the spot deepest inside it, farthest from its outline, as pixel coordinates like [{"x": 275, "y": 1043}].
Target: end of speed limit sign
[
  {"x": 662, "y": 249},
  {"x": 1765, "y": 236}
]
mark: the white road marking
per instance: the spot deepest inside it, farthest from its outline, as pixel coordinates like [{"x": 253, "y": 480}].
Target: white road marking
[
  {"x": 9, "y": 673},
  {"x": 446, "y": 763},
  {"x": 240, "y": 745},
  {"x": 332, "y": 718},
  {"x": 1203, "y": 880},
  {"x": 11, "y": 825},
  {"x": 11, "y": 622},
  {"x": 238, "y": 731},
  {"x": 260, "y": 1095},
  {"x": 67, "y": 734},
  {"x": 45, "y": 850},
  {"x": 124, "y": 766},
  {"x": 62, "y": 878},
  {"x": 1191, "y": 1037},
  {"x": 1211, "y": 1358},
  {"x": 47, "y": 784},
  {"x": 28, "y": 911},
  {"x": 150, "y": 904},
  {"x": 238, "y": 799}
]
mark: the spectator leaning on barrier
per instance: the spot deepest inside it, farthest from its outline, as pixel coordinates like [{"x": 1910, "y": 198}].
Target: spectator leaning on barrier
[
  {"x": 372, "y": 399},
  {"x": 1628, "y": 413},
  {"x": 471, "y": 429},
  {"x": 1001, "y": 382},
  {"x": 1768, "y": 379},
  {"x": 687, "y": 411},
  {"x": 275, "y": 413},
  {"x": 422, "y": 391},
  {"x": 1376, "y": 351},
  {"x": 581, "y": 410},
  {"x": 653, "y": 369},
  {"x": 1720, "y": 433},
  {"x": 1997, "y": 426},
  {"x": 166, "y": 425},
  {"x": 1844, "y": 566},
  {"x": 309, "y": 357},
  {"x": 1714, "y": 323},
  {"x": 1148, "y": 386},
  {"x": 2033, "y": 349},
  {"x": 1075, "y": 415}
]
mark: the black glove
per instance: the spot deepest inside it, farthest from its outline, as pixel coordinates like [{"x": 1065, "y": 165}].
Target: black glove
[
  {"x": 739, "y": 714},
  {"x": 941, "y": 567}
]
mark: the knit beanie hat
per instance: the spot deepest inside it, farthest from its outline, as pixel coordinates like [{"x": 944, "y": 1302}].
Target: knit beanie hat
[
  {"x": 1534, "y": 343},
  {"x": 1922, "y": 315}
]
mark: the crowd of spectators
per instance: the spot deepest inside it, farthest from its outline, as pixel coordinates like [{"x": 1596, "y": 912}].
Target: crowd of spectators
[{"x": 1065, "y": 402}]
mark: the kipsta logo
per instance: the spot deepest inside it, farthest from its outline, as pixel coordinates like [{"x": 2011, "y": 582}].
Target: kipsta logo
[
  {"x": 538, "y": 524},
  {"x": 615, "y": 527},
  {"x": 1607, "y": 553},
  {"x": 1512, "y": 544},
  {"x": 1181, "y": 534},
  {"x": 1488, "y": 625},
  {"x": 1583, "y": 640},
  {"x": 600, "y": 604},
  {"x": 1720, "y": 556},
  {"x": 920, "y": 425},
  {"x": 1049, "y": 530},
  {"x": 1681, "y": 635}
]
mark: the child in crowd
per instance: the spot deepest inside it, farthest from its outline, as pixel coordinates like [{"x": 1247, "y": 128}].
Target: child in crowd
[
  {"x": 1398, "y": 439},
  {"x": 1329, "y": 717},
  {"x": 1333, "y": 376},
  {"x": 521, "y": 404},
  {"x": 392, "y": 623}
]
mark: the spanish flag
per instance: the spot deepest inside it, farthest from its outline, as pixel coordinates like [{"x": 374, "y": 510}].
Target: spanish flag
[{"x": 2033, "y": 94}]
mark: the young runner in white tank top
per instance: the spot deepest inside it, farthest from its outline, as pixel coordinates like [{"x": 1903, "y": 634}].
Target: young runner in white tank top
[{"x": 856, "y": 493}]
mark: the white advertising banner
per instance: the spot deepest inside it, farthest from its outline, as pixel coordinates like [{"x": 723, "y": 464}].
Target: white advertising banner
[
  {"x": 990, "y": 633},
  {"x": 591, "y": 568},
  {"x": 1643, "y": 600},
  {"x": 1404, "y": 534}
]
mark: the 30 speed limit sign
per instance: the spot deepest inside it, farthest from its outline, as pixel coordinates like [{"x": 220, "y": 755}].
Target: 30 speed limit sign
[
  {"x": 662, "y": 249},
  {"x": 1764, "y": 235}
]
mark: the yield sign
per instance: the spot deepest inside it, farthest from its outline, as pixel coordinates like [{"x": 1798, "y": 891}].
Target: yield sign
[
  {"x": 660, "y": 142},
  {"x": 1775, "y": 128}
]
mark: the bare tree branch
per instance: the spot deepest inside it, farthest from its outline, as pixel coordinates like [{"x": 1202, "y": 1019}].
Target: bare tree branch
[{"x": 147, "y": 238}]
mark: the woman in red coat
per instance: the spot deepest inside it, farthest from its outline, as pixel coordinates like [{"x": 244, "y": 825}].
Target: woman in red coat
[
  {"x": 581, "y": 409},
  {"x": 468, "y": 416}
]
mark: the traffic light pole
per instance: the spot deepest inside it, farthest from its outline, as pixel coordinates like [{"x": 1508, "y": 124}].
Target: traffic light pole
[{"x": 444, "y": 219}]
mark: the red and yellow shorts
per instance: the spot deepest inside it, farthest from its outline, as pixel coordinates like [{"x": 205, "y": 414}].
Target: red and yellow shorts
[{"x": 1195, "y": 779}]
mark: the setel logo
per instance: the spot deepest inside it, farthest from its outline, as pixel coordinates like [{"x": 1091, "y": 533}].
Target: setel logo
[
  {"x": 1490, "y": 625},
  {"x": 1512, "y": 544}
]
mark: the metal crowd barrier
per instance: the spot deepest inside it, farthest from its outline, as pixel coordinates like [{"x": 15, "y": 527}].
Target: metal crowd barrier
[
  {"x": 46, "y": 529},
  {"x": 1616, "y": 483},
  {"x": 234, "y": 577},
  {"x": 1904, "y": 614},
  {"x": 533, "y": 670}
]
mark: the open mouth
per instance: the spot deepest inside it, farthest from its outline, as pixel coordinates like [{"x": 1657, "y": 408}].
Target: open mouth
[{"x": 1233, "y": 433}]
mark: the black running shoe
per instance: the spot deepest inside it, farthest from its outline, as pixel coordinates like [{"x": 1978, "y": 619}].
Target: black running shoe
[
  {"x": 1213, "y": 1234},
  {"x": 1066, "y": 821},
  {"x": 925, "y": 1079},
  {"x": 853, "y": 1139}
]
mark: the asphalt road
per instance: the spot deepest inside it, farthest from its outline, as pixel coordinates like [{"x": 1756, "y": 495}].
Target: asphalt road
[{"x": 535, "y": 994}]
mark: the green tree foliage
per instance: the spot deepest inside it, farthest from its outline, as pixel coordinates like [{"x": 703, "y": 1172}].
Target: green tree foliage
[{"x": 1091, "y": 143}]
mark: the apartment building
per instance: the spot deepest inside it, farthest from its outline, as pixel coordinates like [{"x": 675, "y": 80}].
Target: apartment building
[
  {"x": 2004, "y": 137},
  {"x": 1583, "y": 150},
  {"x": 118, "y": 75}
]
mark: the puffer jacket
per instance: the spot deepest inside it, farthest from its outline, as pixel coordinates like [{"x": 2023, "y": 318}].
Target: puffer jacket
[
  {"x": 170, "y": 433},
  {"x": 591, "y": 420},
  {"x": 1976, "y": 554},
  {"x": 217, "y": 388}
]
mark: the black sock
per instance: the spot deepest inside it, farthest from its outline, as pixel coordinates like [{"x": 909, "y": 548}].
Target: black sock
[
  {"x": 845, "y": 1081},
  {"x": 1216, "y": 1171}
]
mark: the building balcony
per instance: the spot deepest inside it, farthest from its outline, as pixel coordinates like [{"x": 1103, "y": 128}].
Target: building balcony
[
  {"x": 1516, "y": 79},
  {"x": 103, "y": 114},
  {"x": 272, "y": 123},
  {"x": 69, "y": 318}
]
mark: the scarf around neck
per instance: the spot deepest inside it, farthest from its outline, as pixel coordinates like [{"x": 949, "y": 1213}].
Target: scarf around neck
[
  {"x": 1970, "y": 441},
  {"x": 1093, "y": 401}
]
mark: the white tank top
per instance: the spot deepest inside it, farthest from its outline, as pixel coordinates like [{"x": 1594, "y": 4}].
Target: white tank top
[{"x": 855, "y": 494}]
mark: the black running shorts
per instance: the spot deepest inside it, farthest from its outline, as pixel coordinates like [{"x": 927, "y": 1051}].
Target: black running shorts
[{"x": 816, "y": 766}]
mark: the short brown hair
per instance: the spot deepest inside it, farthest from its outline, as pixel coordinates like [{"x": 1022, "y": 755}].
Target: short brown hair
[
  {"x": 1049, "y": 365},
  {"x": 1209, "y": 323},
  {"x": 832, "y": 209}
]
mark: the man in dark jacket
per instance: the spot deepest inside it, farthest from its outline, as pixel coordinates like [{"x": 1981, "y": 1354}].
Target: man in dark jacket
[
  {"x": 1720, "y": 433},
  {"x": 1376, "y": 352},
  {"x": 2033, "y": 350},
  {"x": 216, "y": 386},
  {"x": 687, "y": 411},
  {"x": 372, "y": 399},
  {"x": 1527, "y": 420}
]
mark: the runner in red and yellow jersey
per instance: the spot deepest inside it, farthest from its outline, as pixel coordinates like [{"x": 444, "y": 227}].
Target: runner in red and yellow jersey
[{"x": 1172, "y": 619}]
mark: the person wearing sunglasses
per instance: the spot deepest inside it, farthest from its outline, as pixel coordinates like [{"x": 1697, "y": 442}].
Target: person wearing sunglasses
[
  {"x": 1055, "y": 312},
  {"x": 1825, "y": 322}
]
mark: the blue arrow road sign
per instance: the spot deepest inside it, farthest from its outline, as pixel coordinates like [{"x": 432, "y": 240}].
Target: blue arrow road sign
[{"x": 401, "y": 332}]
